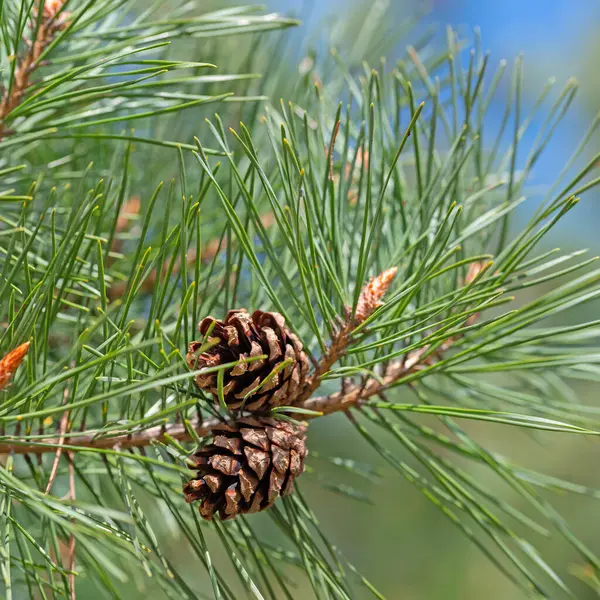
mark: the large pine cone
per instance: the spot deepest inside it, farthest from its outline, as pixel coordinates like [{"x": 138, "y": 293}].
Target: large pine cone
[
  {"x": 246, "y": 467},
  {"x": 241, "y": 336}
]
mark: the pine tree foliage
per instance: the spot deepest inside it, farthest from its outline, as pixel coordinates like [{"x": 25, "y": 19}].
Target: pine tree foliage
[{"x": 291, "y": 206}]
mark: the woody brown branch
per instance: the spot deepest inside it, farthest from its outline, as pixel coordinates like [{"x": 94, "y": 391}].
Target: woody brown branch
[
  {"x": 328, "y": 404},
  {"x": 369, "y": 300},
  {"x": 343, "y": 400}
]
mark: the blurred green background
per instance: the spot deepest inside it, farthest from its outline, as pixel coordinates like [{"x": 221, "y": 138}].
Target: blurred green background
[{"x": 393, "y": 534}]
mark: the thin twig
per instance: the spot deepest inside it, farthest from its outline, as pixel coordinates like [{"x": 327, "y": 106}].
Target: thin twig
[
  {"x": 368, "y": 301},
  {"x": 334, "y": 353},
  {"x": 61, "y": 439},
  {"x": 72, "y": 497},
  {"x": 328, "y": 404},
  {"x": 349, "y": 396}
]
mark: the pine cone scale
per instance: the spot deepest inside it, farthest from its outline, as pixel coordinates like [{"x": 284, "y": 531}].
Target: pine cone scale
[
  {"x": 281, "y": 459},
  {"x": 275, "y": 483},
  {"x": 258, "y": 460},
  {"x": 232, "y": 498},
  {"x": 240, "y": 368},
  {"x": 226, "y": 464},
  {"x": 231, "y": 444},
  {"x": 256, "y": 437},
  {"x": 248, "y": 484},
  {"x": 213, "y": 482},
  {"x": 296, "y": 463}
]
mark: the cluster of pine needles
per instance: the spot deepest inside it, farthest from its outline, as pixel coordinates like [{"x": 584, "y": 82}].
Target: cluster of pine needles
[{"x": 161, "y": 166}]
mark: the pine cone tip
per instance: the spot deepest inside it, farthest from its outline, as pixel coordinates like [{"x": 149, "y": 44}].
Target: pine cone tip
[
  {"x": 372, "y": 294},
  {"x": 10, "y": 363}
]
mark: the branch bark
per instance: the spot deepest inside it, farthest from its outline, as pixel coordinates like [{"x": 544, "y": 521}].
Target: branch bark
[
  {"x": 331, "y": 403},
  {"x": 343, "y": 400}
]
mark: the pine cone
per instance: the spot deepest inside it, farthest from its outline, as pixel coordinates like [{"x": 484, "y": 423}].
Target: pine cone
[
  {"x": 246, "y": 467},
  {"x": 241, "y": 336}
]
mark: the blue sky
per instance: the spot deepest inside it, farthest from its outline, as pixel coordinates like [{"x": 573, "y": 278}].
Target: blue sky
[
  {"x": 553, "y": 35},
  {"x": 553, "y": 32}
]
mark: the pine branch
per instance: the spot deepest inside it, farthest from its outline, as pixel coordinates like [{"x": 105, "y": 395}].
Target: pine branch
[
  {"x": 405, "y": 185},
  {"x": 63, "y": 428},
  {"x": 350, "y": 396},
  {"x": 328, "y": 404},
  {"x": 52, "y": 21},
  {"x": 72, "y": 542},
  {"x": 368, "y": 301}
]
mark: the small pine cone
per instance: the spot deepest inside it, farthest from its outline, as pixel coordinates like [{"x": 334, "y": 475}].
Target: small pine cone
[
  {"x": 246, "y": 467},
  {"x": 242, "y": 336}
]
